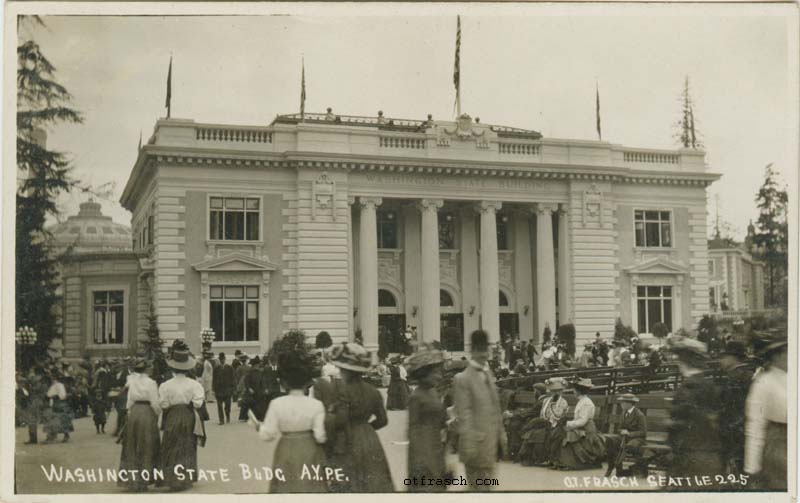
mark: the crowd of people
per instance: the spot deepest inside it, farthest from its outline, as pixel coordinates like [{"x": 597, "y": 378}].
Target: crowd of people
[{"x": 323, "y": 407}]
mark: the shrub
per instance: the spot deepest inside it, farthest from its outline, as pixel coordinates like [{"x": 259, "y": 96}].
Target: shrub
[
  {"x": 566, "y": 335},
  {"x": 323, "y": 340},
  {"x": 659, "y": 330}
]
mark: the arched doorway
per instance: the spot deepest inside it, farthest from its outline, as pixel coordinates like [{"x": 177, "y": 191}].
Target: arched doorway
[
  {"x": 452, "y": 322},
  {"x": 391, "y": 322}
]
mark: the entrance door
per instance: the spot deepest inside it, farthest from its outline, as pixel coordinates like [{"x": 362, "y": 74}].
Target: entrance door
[
  {"x": 391, "y": 328},
  {"x": 509, "y": 325},
  {"x": 452, "y": 330}
]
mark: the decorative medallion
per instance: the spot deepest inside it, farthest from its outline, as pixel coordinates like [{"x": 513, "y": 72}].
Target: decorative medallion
[{"x": 323, "y": 196}]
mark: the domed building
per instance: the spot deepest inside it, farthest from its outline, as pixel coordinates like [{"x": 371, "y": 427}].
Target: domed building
[{"x": 104, "y": 285}]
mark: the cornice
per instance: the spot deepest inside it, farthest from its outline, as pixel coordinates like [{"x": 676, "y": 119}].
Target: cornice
[{"x": 412, "y": 166}]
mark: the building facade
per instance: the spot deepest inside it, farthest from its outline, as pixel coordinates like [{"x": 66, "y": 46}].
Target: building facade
[
  {"x": 103, "y": 285},
  {"x": 736, "y": 279},
  {"x": 341, "y": 223}
]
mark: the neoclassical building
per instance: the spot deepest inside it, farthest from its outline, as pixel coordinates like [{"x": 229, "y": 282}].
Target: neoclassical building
[{"x": 343, "y": 223}]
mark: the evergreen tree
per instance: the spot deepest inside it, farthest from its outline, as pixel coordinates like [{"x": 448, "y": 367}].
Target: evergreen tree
[
  {"x": 41, "y": 103},
  {"x": 771, "y": 239},
  {"x": 687, "y": 135},
  {"x": 153, "y": 347}
]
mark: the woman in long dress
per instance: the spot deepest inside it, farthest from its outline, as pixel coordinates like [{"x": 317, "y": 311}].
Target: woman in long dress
[
  {"x": 180, "y": 399},
  {"x": 581, "y": 447},
  {"x": 427, "y": 419},
  {"x": 397, "y": 394},
  {"x": 299, "y": 422},
  {"x": 765, "y": 426},
  {"x": 537, "y": 441},
  {"x": 61, "y": 416},
  {"x": 356, "y": 448},
  {"x": 140, "y": 438}
]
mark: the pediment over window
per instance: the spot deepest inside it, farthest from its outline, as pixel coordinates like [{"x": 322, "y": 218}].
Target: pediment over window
[
  {"x": 657, "y": 266},
  {"x": 235, "y": 262}
]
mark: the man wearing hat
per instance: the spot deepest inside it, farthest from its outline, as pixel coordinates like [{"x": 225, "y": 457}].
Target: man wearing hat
[
  {"x": 767, "y": 409},
  {"x": 482, "y": 436},
  {"x": 222, "y": 383},
  {"x": 207, "y": 379},
  {"x": 736, "y": 379},
  {"x": 632, "y": 435}
]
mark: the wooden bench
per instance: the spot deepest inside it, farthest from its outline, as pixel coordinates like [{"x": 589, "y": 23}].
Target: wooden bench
[{"x": 656, "y": 408}]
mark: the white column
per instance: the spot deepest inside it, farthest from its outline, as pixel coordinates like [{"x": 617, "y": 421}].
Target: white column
[
  {"x": 545, "y": 267},
  {"x": 431, "y": 319},
  {"x": 564, "y": 275},
  {"x": 489, "y": 276},
  {"x": 368, "y": 271}
]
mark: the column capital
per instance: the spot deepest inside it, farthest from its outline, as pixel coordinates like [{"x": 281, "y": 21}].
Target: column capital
[
  {"x": 369, "y": 202},
  {"x": 545, "y": 208},
  {"x": 351, "y": 200},
  {"x": 430, "y": 204},
  {"x": 488, "y": 206},
  {"x": 563, "y": 209}
]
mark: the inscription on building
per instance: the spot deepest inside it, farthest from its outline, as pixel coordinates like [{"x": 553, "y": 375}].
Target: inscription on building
[{"x": 400, "y": 179}]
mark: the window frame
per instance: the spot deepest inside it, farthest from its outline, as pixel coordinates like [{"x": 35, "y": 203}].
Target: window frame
[
  {"x": 380, "y": 221},
  {"x": 644, "y": 317},
  {"x": 107, "y": 287},
  {"x": 441, "y": 219},
  {"x": 645, "y": 220},
  {"x": 245, "y": 211},
  {"x": 245, "y": 300}
]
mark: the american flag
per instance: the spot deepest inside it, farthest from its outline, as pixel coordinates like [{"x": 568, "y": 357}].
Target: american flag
[
  {"x": 597, "y": 110},
  {"x": 169, "y": 88},
  {"x": 303, "y": 91},
  {"x": 457, "y": 69}
]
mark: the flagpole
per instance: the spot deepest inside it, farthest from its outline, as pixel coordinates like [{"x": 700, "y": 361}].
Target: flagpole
[
  {"x": 597, "y": 110},
  {"x": 169, "y": 88},
  {"x": 457, "y": 67}
]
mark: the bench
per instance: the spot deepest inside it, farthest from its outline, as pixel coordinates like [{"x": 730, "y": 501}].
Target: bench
[{"x": 656, "y": 408}]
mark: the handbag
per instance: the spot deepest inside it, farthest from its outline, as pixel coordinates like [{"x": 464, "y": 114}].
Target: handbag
[{"x": 203, "y": 412}]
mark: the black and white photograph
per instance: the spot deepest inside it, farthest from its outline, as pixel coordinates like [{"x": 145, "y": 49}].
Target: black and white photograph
[{"x": 400, "y": 248}]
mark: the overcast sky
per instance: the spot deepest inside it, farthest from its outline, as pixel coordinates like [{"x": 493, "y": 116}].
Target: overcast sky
[{"x": 534, "y": 68}]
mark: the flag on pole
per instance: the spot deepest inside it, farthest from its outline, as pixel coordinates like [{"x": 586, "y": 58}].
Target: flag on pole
[
  {"x": 169, "y": 89},
  {"x": 597, "y": 111},
  {"x": 303, "y": 91},
  {"x": 457, "y": 68}
]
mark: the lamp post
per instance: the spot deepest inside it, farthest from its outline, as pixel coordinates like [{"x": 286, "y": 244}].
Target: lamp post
[
  {"x": 207, "y": 335},
  {"x": 25, "y": 338}
]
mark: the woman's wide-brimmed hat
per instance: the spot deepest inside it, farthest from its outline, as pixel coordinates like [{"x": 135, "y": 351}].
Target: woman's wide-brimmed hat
[
  {"x": 628, "y": 397},
  {"x": 583, "y": 383},
  {"x": 687, "y": 350},
  {"x": 180, "y": 358},
  {"x": 555, "y": 384},
  {"x": 351, "y": 356},
  {"x": 424, "y": 359}
]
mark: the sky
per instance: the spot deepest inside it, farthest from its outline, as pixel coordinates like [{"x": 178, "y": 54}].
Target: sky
[{"x": 534, "y": 67}]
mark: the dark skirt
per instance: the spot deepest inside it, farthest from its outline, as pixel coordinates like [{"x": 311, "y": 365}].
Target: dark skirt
[
  {"x": 178, "y": 446},
  {"x": 364, "y": 463},
  {"x": 295, "y": 455},
  {"x": 580, "y": 448},
  {"x": 140, "y": 443},
  {"x": 397, "y": 395},
  {"x": 774, "y": 468},
  {"x": 535, "y": 436},
  {"x": 60, "y": 420}
]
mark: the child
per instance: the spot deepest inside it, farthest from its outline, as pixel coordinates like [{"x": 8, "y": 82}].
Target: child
[{"x": 98, "y": 405}]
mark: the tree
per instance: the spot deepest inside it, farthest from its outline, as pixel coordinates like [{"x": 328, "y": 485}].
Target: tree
[
  {"x": 566, "y": 334},
  {"x": 687, "y": 134},
  {"x": 771, "y": 240},
  {"x": 41, "y": 103},
  {"x": 152, "y": 347}
]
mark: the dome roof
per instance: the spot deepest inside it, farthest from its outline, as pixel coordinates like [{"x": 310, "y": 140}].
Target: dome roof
[{"x": 90, "y": 232}]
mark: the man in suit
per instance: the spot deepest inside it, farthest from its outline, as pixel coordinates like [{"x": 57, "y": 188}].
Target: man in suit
[
  {"x": 632, "y": 431},
  {"x": 270, "y": 376},
  {"x": 223, "y": 384},
  {"x": 481, "y": 434}
]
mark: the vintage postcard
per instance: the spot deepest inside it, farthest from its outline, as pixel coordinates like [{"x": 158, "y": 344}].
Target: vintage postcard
[{"x": 528, "y": 250}]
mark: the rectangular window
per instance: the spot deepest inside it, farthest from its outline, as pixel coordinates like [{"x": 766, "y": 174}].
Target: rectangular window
[
  {"x": 652, "y": 228},
  {"x": 108, "y": 308},
  {"x": 654, "y": 305},
  {"x": 711, "y": 267},
  {"x": 150, "y": 229},
  {"x": 387, "y": 229},
  {"x": 447, "y": 231},
  {"x": 234, "y": 218},
  {"x": 233, "y": 311}
]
